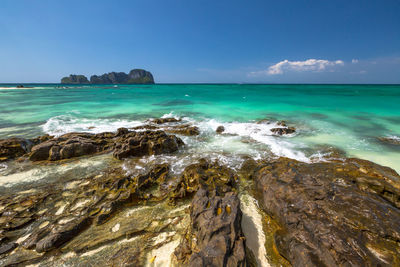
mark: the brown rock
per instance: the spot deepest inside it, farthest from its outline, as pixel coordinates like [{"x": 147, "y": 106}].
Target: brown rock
[
  {"x": 184, "y": 130},
  {"x": 77, "y": 148},
  {"x": 390, "y": 140},
  {"x": 264, "y": 121},
  {"x": 7, "y": 248},
  {"x": 220, "y": 129},
  {"x": 281, "y": 123},
  {"x": 146, "y": 143},
  {"x": 165, "y": 120},
  {"x": 37, "y": 235},
  {"x": 41, "y": 151},
  {"x": 62, "y": 234},
  {"x": 332, "y": 214},
  {"x": 282, "y": 131},
  {"x": 215, "y": 236},
  {"x": 13, "y": 148},
  {"x": 210, "y": 175}
]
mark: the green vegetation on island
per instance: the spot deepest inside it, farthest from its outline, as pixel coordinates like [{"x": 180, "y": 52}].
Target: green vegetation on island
[
  {"x": 76, "y": 79},
  {"x": 135, "y": 76}
]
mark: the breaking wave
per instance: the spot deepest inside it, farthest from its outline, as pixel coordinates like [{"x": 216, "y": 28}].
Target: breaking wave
[
  {"x": 63, "y": 124},
  {"x": 239, "y": 138}
]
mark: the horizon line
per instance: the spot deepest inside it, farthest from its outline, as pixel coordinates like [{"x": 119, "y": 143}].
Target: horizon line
[{"x": 205, "y": 83}]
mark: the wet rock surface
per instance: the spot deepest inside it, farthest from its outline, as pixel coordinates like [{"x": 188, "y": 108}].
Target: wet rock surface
[
  {"x": 390, "y": 140},
  {"x": 332, "y": 214},
  {"x": 220, "y": 129},
  {"x": 283, "y": 131},
  {"x": 124, "y": 143},
  {"x": 164, "y": 120},
  {"x": 184, "y": 210},
  {"x": 215, "y": 237},
  {"x": 116, "y": 214},
  {"x": 13, "y": 148},
  {"x": 170, "y": 125},
  {"x": 76, "y": 216},
  {"x": 145, "y": 143},
  {"x": 210, "y": 175}
]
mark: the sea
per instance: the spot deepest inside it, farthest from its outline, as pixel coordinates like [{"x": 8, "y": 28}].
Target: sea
[{"x": 348, "y": 118}]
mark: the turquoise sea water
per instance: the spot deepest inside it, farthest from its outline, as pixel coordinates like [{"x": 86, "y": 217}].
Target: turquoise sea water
[{"x": 349, "y": 117}]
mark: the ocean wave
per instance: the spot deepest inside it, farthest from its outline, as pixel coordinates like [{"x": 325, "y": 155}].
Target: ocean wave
[
  {"x": 239, "y": 138},
  {"x": 279, "y": 146},
  {"x": 63, "y": 124},
  {"x": 394, "y": 137}
]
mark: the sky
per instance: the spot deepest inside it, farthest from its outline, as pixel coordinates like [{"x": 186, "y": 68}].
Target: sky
[{"x": 202, "y": 41}]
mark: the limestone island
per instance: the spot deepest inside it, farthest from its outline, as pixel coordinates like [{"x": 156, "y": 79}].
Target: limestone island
[{"x": 135, "y": 76}]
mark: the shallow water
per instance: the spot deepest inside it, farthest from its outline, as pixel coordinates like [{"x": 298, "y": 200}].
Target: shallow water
[{"x": 349, "y": 117}]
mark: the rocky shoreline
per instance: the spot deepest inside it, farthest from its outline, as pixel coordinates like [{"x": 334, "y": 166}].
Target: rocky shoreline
[{"x": 268, "y": 212}]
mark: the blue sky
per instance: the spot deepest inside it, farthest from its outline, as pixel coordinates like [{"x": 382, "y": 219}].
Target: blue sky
[{"x": 202, "y": 41}]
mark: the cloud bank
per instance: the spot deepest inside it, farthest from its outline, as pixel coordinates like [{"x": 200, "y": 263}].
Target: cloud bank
[{"x": 313, "y": 65}]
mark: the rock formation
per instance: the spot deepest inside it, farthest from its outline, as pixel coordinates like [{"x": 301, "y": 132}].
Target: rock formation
[
  {"x": 135, "y": 76},
  {"x": 332, "y": 214},
  {"x": 75, "y": 79},
  {"x": 340, "y": 212}
]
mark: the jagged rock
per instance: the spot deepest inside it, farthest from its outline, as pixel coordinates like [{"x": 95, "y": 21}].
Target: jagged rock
[
  {"x": 268, "y": 121},
  {"x": 184, "y": 130},
  {"x": 13, "y": 148},
  {"x": 40, "y": 139},
  {"x": 7, "y": 248},
  {"x": 220, "y": 129},
  {"x": 264, "y": 121},
  {"x": 281, "y": 123},
  {"x": 124, "y": 143},
  {"x": 340, "y": 213},
  {"x": 35, "y": 237},
  {"x": 146, "y": 143},
  {"x": 390, "y": 140},
  {"x": 215, "y": 237},
  {"x": 62, "y": 234},
  {"x": 110, "y": 78},
  {"x": 145, "y": 127},
  {"x": 140, "y": 76},
  {"x": 75, "y": 79},
  {"x": 282, "y": 131},
  {"x": 210, "y": 175},
  {"x": 54, "y": 150},
  {"x": 42, "y": 151},
  {"x": 181, "y": 129},
  {"x": 135, "y": 76},
  {"x": 82, "y": 214},
  {"x": 165, "y": 120}
]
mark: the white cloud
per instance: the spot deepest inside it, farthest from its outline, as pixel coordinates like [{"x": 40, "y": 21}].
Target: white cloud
[
  {"x": 316, "y": 65},
  {"x": 354, "y": 61}
]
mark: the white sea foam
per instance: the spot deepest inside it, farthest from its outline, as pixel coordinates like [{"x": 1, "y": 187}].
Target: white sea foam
[
  {"x": 279, "y": 146},
  {"x": 170, "y": 115},
  {"x": 63, "y": 124},
  {"x": 239, "y": 138},
  {"x": 394, "y": 137}
]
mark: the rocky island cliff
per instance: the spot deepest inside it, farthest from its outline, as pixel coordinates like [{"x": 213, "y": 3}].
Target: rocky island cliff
[{"x": 135, "y": 76}]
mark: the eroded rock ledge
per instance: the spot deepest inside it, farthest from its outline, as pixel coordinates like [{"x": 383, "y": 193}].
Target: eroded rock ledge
[
  {"x": 337, "y": 213},
  {"x": 332, "y": 214},
  {"x": 124, "y": 143},
  {"x": 215, "y": 237}
]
